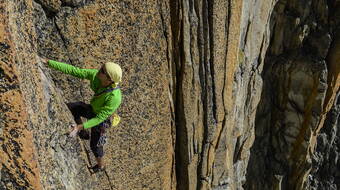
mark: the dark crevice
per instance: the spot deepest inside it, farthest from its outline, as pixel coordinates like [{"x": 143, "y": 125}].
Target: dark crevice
[
  {"x": 192, "y": 63},
  {"x": 52, "y": 16},
  {"x": 227, "y": 24},
  {"x": 203, "y": 70},
  {"x": 238, "y": 148},
  {"x": 181, "y": 148},
  {"x": 51, "y": 12},
  {"x": 63, "y": 39},
  {"x": 60, "y": 33},
  {"x": 48, "y": 11},
  {"x": 221, "y": 132},
  {"x": 203, "y": 41},
  {"x": 212, "y": 57},
  {"x": 296, "y": 107},
  {"x": 165, "y": 33},
  {"x": 66, "y": 4},
  {"x": 201, "y": 73},
  {"x": 259, "y": 59},
  {"x": 247, "y": 31},
  {"x": 229, "y": 12},
  {"x": 109, "y": 180},
  {"x": 225, "y": 56}
]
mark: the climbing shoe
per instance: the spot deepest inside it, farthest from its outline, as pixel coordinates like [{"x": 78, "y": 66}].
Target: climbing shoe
[{"x": 96, "y": 168}]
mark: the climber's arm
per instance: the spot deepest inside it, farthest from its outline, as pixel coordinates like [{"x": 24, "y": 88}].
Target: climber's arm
[
  {"x": 105, "y": 112},
  {"x": 72, "y": 70}
]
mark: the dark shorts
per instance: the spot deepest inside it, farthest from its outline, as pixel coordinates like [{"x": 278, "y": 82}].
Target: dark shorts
[{"x": 81, "y": 109}]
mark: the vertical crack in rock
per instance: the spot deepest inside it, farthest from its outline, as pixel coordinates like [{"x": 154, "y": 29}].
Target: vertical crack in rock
[
  {"x": 211, "y": 61},
  {"x": 60, "y": 33},
  {"x": 162, "y": 8},
  {"x": 48, "y": 12},
  {"x": 203, "y": 73},
  {"x": 181, "y": 133},
  {"x": 181, "y": 159},
  {"x": 165, "y": 32},
  {"x": 64, "y": 40},
  {"x": 202, "y": 46}
]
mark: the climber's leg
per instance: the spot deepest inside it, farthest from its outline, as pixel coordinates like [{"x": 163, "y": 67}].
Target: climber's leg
[
  {"x": 78, "y": 110},
  {"x": 98, "y": 151}
]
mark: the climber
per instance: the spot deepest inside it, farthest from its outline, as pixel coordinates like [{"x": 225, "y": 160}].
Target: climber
[{"x": 104, "y": 103}]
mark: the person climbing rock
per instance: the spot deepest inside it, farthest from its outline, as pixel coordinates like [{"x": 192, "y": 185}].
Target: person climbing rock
[{"x": 107, "y": 98}]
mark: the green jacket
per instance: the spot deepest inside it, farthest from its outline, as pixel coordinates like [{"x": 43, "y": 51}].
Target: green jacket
[{"x": 105, "y": 104}]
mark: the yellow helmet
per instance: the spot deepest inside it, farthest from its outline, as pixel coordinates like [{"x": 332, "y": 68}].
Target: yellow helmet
[{"x": 114, "y": 71}]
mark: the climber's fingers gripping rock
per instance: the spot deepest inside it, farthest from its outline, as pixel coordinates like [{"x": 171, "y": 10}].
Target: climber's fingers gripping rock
[
  {"x": 44, "y": 60},
  {"x": 75, "y": 129}
]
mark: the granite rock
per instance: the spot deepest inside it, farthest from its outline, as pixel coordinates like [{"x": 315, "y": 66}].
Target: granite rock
[{"x": 222, "y": 94}]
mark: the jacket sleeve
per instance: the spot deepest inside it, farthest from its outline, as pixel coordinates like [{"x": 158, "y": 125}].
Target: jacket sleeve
[
  {"x": 105, "y": 112},
  {"x": 72, "y": 70}
]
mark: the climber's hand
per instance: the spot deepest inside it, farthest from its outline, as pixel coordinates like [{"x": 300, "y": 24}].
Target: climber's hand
[
  {"x": 44, "y": 60},
  {"x": 75, "y": 130}
]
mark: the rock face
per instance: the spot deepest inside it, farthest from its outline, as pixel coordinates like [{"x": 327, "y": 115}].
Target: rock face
[
  {"x": 218, "y": 55},
  {"x": 36, "y": 152},
  {"x": 325, "y": 173},
  {"x": 222, "y": 94},
  {"x": 301, "y": 80},
  {"x": 35, "y": 117}
]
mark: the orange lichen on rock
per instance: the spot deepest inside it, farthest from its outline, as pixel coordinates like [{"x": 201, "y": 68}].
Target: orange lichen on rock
[{"x": 16, "y": 140}]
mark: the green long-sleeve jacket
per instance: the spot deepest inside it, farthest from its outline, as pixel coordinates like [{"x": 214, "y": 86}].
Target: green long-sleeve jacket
[{"x": 103, "y": 105}]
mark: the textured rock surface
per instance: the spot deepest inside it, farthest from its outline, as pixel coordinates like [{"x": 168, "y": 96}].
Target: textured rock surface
[
  {"x": 301, "y": 77},
  {"x": 84, "y": 34},
  {"x": 39, "y": 154},
  {"x": 18, "y": 167},
  {"x": 218, "y": 53},
  {"x": 221, "y": 94},
  {"x": 325, "y": 172}
]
